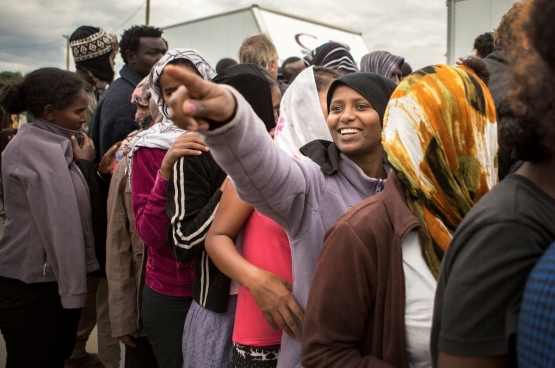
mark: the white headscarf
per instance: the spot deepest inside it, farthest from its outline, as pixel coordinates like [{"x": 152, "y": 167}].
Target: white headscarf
[
  {"x": 162, "y": 135},
  {"x": 204, "y": 68},
  {"x": 301, "y": 119}
]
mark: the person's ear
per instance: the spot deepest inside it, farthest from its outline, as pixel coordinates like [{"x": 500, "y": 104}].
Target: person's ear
[
  {"x": 131, "y": 57},
  {"x": 49, "y": 113},
  {"x": 273, "y": 68}
]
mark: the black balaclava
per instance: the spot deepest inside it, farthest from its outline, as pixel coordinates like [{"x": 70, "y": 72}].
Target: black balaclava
[{"x": 249, "y": 80}]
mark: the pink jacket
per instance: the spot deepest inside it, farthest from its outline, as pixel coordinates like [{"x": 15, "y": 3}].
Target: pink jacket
[{"x": 164, "y": 273}]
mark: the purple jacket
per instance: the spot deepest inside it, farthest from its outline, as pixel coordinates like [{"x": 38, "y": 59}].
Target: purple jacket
[
  {"x": 44, "y": 237},
  {"x": 297, "y": 195}
]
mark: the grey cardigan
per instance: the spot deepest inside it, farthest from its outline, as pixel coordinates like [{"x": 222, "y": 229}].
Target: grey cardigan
[
  {"x": 38, "y": 244},
  {"x": 297, "y": 195}
]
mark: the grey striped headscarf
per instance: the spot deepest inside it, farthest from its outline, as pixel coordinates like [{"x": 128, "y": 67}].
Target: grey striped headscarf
[
  {"x": 381, "y": 62},
  {"x": 332, "y": 55}
]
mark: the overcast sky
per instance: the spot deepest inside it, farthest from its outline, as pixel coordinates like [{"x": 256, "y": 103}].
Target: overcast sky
[{"x": 415, "y": 29}]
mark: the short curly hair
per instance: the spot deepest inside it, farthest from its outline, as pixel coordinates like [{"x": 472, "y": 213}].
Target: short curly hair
[
  {"x": 508, "y": 33},
  {"x": 483, "y": 44},
  {"x": 42, "y": 87},
  {"x": 130, "y": 39},
  {"x": 527, "y": 122}
]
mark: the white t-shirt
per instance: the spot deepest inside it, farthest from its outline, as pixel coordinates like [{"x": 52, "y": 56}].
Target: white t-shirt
[{"x": 420, "y": 287}]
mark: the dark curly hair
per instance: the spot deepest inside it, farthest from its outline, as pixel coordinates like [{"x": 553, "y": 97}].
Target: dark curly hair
[
  {"x": 483, "y": 44},
  {"x": 42, "y": 87},
  {"x": 527, "y": 122},
  {"x": 290, "y": 60},
  {"x": 508, "y": 35},
  {"x": 130, "y": 39}
]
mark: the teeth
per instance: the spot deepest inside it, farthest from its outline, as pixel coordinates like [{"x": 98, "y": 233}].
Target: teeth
[{"x": 349, "y": 131}]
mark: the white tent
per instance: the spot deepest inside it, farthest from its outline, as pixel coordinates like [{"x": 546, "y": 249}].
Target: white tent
[
  {"x": 221, "y": 35},
  {"x": 467, "y": 19}
]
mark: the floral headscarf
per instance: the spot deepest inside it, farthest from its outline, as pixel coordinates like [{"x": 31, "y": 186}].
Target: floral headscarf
[
  {"x": 140, "y": 97},
  {"x": 162, "y": 135},
  {"x": 440, "y": 136}
]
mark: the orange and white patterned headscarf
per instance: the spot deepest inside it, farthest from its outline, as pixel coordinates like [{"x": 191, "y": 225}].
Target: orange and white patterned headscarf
[{"x": 440, "y": 136}]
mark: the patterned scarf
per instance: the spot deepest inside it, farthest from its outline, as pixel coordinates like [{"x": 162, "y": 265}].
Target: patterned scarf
[
  {"x": 204, "y": 68},
  {"x": 332, "y": 55},
  {"x": 381, "y": 62},
  {"x": 162, "y": 135},
  {"x": 440, "y": 136},
  {"x": 141, "y": 97},
  {"x": 300, "y": 118}
]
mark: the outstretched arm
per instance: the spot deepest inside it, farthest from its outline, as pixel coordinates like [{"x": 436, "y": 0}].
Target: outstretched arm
[
  {"x": 271, "y": 293},
  {"x": 278, "y": 186}
]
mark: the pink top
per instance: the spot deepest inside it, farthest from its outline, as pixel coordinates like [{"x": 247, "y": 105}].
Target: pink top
[
  {"x": 265, "y": 245},
  {"x": 164, "y": 273}
]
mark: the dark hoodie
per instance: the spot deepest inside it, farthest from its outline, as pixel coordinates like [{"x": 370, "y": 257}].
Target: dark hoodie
[{"x": 500, "y": 75}]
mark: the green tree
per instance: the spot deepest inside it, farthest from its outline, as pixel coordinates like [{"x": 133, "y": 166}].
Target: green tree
[{"x": 6, "y": 77}]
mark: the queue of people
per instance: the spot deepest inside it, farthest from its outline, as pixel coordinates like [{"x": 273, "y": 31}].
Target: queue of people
[{"x": 336, "y": 214}]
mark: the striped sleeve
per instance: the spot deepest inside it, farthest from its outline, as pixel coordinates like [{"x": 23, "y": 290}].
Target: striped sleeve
[{"x": 192, "y": 200}]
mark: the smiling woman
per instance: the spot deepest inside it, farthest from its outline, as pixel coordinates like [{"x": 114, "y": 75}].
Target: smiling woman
[
  {"x": 380, "y": 260},
  {"x": 303, "y": 197},
  {"x": 354, "y": 120}
]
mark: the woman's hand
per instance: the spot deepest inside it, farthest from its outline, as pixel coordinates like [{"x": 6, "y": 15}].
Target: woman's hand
[
  {"x": 188, "y": 144},
  {"x": 127, "y": 340},
  {"x": 273, "y": 296},
  {"x": 198, "y": 101},
  {"x": 85, "y": 151},
  {"x": 108, "y": 160}
]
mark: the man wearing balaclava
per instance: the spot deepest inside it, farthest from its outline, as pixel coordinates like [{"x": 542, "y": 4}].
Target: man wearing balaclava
[{"x": 94, "y": 52}]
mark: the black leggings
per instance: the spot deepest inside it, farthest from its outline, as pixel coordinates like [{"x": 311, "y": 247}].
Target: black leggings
[
  {"x": 163, "y": 320},
  {"x": 38, "y": 332},
  {"x": 141, "y": 356}
]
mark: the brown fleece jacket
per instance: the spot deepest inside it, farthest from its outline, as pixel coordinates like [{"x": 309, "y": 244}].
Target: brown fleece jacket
[{"x": 355, "y": 315}]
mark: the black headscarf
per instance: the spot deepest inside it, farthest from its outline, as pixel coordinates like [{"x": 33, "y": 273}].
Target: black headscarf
[
  {"x": 249, "y": 80},
  {"x": 100, "y": 65},
  {"x": 373, "y": 87}
]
